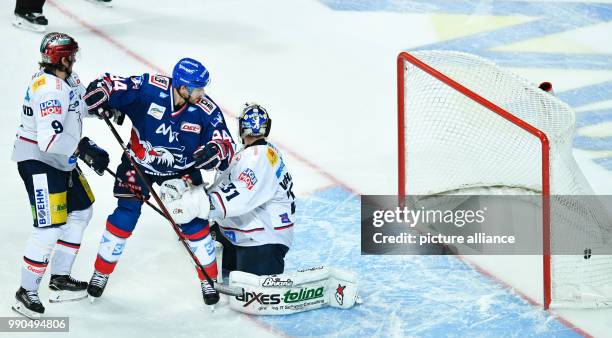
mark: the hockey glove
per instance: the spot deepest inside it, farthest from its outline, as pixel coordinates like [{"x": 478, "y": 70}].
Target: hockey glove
[
  {"x": 97, "y": 95},
  {"x": 173, "y": 189},
  {"x": 184, "y": 203},
  {"x": 95, "y": 157},
  {"x": 214, "y": 155}
]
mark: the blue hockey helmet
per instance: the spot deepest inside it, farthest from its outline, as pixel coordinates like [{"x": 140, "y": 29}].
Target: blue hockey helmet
[
  {"x": 190, "y": 73},
  {"x": 254, "y": 121}
]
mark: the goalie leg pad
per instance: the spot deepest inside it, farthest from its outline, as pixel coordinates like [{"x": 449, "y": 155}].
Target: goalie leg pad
[{"x": 293, "y": 292}]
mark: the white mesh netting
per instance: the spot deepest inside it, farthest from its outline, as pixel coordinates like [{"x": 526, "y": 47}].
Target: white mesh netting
[{"x": 453, "y": 143}]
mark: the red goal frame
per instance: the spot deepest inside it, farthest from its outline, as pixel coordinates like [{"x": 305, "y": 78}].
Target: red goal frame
[{"x": 404, "y": 57}]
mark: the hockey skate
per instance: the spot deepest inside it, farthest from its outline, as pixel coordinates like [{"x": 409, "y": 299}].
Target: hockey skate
[
  {"x": 28, "y": 304},
  {"x": 64, "y": 288},
  {"x": 105, "y": 3},
  {"x": 211, "y": 296},
  {"x": 96, "y": 285},
  {"x": 31, "y": 21}
]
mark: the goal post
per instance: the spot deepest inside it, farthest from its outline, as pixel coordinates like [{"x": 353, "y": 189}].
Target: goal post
[{"x": 464, "y": 123}]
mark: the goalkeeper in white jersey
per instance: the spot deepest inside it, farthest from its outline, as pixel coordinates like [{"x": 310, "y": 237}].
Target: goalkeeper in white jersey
[
  {"x": 46, "y": 149},
  {"x": 253, "y": 203}
]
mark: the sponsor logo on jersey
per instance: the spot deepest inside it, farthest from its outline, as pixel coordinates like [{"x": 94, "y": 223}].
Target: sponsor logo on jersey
[
  {"x": 27, "y": 97},
  {"x": 58, "y": 84},
  {"x": 279, "y": 170},
  {"x": 340, "y": 294},
  {"x": 162, "y": 129},
  {"x": 248, "y": 177},
  {"x": 216, "y": 120},
  {"x": 284, "y": 218},
  {"x": 207, "y": 105},
  {"x": 272, "y": 156},
  {"x": 41, "y": 81},
  {"x": 156, "y": 111},
  {"x": 163, "y": 95},
  {"x": 41, "y": 200},
  {"x": 274, "y": 281},
  {"x": 191, "y": 127},
  {"x": 160, "y": 81},
  {"x": 230, "y": 235},
  {"x": 50, "y": 107}
]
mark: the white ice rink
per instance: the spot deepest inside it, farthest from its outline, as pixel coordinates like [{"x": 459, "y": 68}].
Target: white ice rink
[{"x": 325, "y": 70}]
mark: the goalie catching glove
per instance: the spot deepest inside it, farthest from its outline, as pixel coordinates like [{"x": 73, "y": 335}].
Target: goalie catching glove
[{"x": 183, "y": 201}]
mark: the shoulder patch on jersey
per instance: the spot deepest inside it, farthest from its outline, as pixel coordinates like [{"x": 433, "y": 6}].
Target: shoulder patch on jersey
[
  {"x": 248, "y": 177},
  {"x": 216, "y": 120},
  {"x": 50, "y": 107},
  {"x": 207, "y": 105},
  {"x": 136, "y": 81},
  {"x": 284, "y": 218},
  {"x": 191, "y": 127},
  {"x": 40, "y": 81},
  {"x": 160, "y": 81},
  {"x": 156, "y": 111},
  {"x": 272, "y": 156}
]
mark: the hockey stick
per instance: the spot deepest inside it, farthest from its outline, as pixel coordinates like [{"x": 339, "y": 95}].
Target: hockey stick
[
  {"x": 112, "y": 173},
  {"x": 225, "y": 289}
]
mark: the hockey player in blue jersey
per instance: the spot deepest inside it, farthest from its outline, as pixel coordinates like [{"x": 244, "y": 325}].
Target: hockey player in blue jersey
[{"x": 176, "y": 130}]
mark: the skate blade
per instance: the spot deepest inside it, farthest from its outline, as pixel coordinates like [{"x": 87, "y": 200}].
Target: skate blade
[
  {"x": 24, "y": 311},
  {"x": 92, "y": 299},
  {"x": 28, "y": 26},
  {"x": 66, "y": 296}
]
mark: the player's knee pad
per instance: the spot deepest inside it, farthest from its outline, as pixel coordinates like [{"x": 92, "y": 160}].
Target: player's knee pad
[
  {"x": 123, "y": 220},
  {"x": 72, "y": 231}
]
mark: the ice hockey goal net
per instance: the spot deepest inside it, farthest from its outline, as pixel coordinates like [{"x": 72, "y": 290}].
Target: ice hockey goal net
[{"x": 463, "y": 122}]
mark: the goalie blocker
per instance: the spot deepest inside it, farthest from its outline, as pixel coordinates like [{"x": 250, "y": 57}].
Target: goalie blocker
[{"x": 303, "y": 290}]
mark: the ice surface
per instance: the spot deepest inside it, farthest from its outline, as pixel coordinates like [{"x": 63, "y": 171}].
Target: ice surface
[{"x": 326, "y": 72}]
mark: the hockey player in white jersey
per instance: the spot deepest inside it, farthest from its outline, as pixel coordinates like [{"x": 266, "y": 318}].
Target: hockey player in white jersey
[
  {"x": 46, "y": 150},
  {"x": 253, "y": 202}
]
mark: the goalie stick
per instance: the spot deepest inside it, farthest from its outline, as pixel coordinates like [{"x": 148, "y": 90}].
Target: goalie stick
[{"x": 225, "y": 289}]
